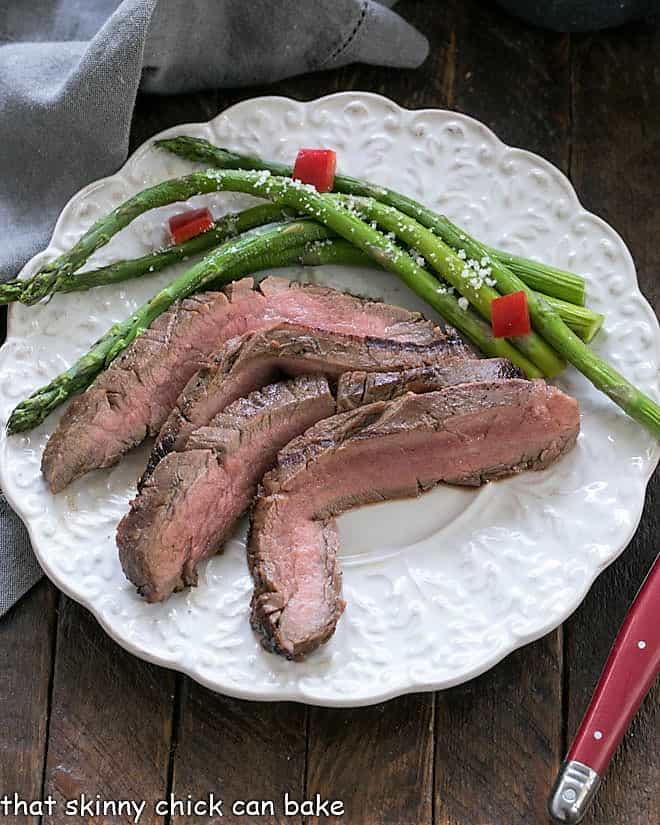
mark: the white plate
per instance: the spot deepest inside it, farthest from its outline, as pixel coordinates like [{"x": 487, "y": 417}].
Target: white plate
[{"x": 438, "y": 589}]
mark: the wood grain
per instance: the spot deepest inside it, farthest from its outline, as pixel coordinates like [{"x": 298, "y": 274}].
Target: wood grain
[
  {"x": 110, "y": 723},
  {"x": 27, "y": 633},
  {"x": 377, "y": 760},
  {"x": 239, "y": 751},
  {"x": 498, "y": 740},
  {"x": 616, "y": 117},
  {"x": 154, "y": 113},
  {"x": 514, "y": 79}
]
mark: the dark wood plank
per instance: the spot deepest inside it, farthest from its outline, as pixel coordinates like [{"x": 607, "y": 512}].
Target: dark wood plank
[
  {"x": 504, "y": 731},
  {"x": 513, "y": 78},
  {"x": 239, "y": 751},
  {"x": 616, "y": 124},
  {"x": 377, "y": 760},
  {"x": 110, "y": 724},
  {"x": 631, "y": 790},
  {"x": 27, "y": 633},
  {"x": 153, "y": 113},
  {"x": 498, "y": 740}
]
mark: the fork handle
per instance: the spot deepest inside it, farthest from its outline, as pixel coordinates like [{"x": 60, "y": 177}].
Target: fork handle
[{"x": 629, "y": 672}]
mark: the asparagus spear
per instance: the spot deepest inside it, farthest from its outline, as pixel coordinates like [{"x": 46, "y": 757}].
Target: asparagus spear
[
  {"x": 566, "y": 286},
  {"x": 225, "y": 227},
  {"x": 549, "y": 324},
  {"x": 546, "y": 279},
  {"x": 231, "y": 260},
  {"x": 303, "y": 242},
  {"x": 287, "y": 192},
  {"x": 333, "y": 251},
  {"x": 471, "y": 282},
  {"x": 54, "y": 276},
  {"x": 584, "y": 322},
  {"x": 11, "y": 291},
  {"x": 544, "y": 318}
]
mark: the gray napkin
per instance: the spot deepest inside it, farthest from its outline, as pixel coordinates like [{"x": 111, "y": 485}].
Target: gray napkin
[
  {"x": 19, "y": 569},
  {"x": 69, "y": 75}
]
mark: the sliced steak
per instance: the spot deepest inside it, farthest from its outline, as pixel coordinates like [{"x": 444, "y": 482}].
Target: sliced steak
[
  {"x": 355, "y": 389},
  {"x": 466, "y": 434},
  {"x": 132, "y": 398},
  {"x": 187, "y": 508},
  {"x": 257, "y": 358}
]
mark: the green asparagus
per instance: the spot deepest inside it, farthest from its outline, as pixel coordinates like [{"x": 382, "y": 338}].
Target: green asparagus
[
  {"x": 54, "y": 275},
  {"x": 546, "y": 279},
  {"x": 584, "y": 322},
  {"x": 232, "y": 260},
  {"x": 11, "y": 291},
  {"x": 323, "y": 253},
  {"x": 225, "y": 227},
  {"x": 549, "y": 324},
  {"x": 342, "y": 252},
  {"x": 545, "y": 318},
  {"x": 287, "y": 192},
  {"x": 566, "y": 286},
  {"x": 470, "y": 278},
  {"x": 303, "y": 242},
  {"x": 290, "y": 193}
]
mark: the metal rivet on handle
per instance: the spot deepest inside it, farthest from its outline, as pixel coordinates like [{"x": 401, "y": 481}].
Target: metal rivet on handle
[{"x": 574, "y": 789}]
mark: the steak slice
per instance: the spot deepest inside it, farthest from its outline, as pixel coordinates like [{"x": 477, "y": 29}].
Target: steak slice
[
  {"x": 355, "y": 389},
  {"x": 259, "y": 358},
  {"x": 132, "y": 398},
  {"x": 466, "y": 434},
  {"x": 187, "y": 508}
]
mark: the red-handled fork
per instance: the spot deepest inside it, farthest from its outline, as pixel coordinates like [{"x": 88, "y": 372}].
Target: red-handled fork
[{"x": 630, "y": 670}]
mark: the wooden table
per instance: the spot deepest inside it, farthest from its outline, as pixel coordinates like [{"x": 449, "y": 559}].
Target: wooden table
[{"x": 78, "y": 714}]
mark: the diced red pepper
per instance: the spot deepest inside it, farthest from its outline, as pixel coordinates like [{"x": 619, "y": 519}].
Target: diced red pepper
[
  {"x": 316, "y": 166},
  {"x": 187, "y": 225},
  {"x": 510, "y": 315}
]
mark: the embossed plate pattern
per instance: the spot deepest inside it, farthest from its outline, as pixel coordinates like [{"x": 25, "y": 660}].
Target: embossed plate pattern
[{"x": 438, "y": 589}]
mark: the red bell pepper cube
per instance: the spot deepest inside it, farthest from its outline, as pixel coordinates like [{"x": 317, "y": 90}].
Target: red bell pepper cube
[
  {"x": 510, "y": 315},
  {"x": 316, "y": 166},
  {"x": 189, "y": 224}
]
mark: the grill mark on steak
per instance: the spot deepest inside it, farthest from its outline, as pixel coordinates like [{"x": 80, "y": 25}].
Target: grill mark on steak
[
  {"x": 134, "y": 395},
  {"x": 355, "y": 389},
  {"x": 290, "y": 349},
  {"x": 186, "y": 509},
  {"x": 467, "y": 434}
]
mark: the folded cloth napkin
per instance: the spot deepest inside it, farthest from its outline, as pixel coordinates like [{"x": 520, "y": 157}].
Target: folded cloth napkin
[{"x": 70, "y": 71}]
